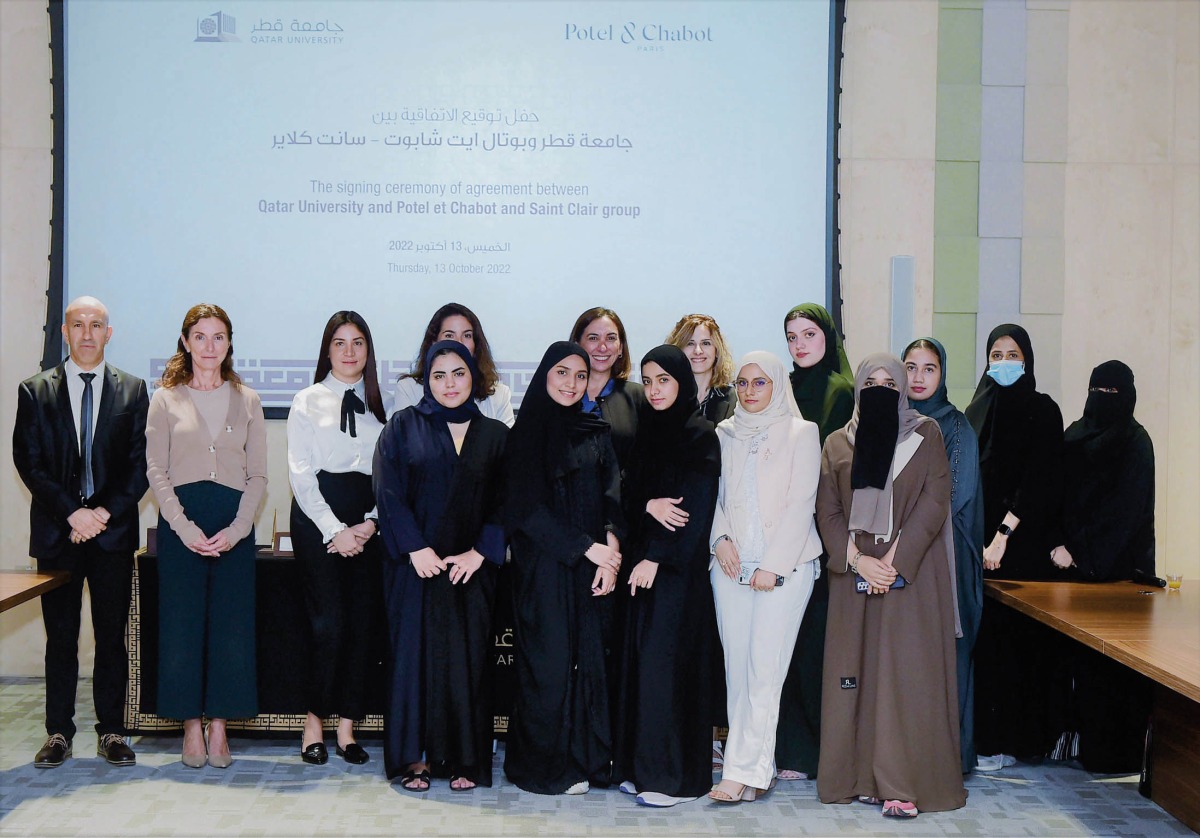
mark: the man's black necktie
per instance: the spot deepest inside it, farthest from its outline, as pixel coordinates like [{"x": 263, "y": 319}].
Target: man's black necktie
[
  {"x": 351, "y": 404},
  {"x": 87, "y": 485}
]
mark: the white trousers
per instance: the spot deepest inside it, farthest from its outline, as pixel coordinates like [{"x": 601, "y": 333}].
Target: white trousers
[{"x": 758, "y": 632}]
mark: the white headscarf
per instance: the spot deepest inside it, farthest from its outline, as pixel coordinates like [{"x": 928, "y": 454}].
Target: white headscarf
[{"x": 743, "y": 424}]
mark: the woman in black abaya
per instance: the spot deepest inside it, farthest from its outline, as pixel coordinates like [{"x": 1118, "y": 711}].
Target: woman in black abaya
[
  {"x": 1021, "y": 465},
  {"x": 1107, "y": 535},
  {"x": 1108, "y": 504},
  {"x": 665, "y": 717},
  {"x": 438, "y": 482},
  {"x": 563, "y": 518}
]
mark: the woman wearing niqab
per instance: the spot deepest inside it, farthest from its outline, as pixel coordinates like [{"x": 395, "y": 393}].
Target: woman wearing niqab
[
  {"x": 889, "y": 726},
  {"x": 1107, "y": 535}
]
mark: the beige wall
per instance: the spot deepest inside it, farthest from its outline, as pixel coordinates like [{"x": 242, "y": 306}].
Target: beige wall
[{"x": 1132, "y": 228}]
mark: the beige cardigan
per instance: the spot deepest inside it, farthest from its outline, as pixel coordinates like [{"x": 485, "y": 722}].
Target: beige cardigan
[
  {"x": 180, "y": 450},
  {"x": 789, "y": 466}
]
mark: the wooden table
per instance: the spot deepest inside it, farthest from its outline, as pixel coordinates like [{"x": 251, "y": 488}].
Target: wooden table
[
  {"x": 17, "y": 586},
  {"x": 1153, "y": 631}
]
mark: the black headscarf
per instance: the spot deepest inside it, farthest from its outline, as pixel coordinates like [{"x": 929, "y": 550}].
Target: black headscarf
[
  {"x": 539, "y": 444},
  {"x": 1107, "y": 417},
  {"x": 811, "y": 385},
  {"x": 430, "y": 406},
  {"x": 674, "y": 434},
  {"x": 1001, "y": 416},
  {"x": 875, "y": 434}
]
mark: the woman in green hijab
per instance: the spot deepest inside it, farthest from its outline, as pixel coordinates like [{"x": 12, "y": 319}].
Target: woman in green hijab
[{"x": 823, "y": 385}]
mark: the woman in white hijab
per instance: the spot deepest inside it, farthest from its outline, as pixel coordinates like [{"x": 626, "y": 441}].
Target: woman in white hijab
[{"x": 765, "y": 544}]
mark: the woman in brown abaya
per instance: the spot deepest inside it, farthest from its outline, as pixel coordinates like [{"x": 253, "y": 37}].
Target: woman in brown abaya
[{"x": 889, "y": 720}]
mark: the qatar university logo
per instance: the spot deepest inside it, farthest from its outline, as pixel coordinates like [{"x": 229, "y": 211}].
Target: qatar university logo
[{"x": 216, "y": 28}]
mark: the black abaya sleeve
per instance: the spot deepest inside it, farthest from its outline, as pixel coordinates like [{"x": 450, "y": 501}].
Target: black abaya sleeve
[
  {"x": 614, "y": 515},
  {"x": 1118, "y": 518},
  {"x": 679, "y": 548},
  {"x": 564, "y": 544},
  {"x": 491, "y": 537},
  {"x": 390, "y": 477},
  {"x": 1039, "y": 493}
]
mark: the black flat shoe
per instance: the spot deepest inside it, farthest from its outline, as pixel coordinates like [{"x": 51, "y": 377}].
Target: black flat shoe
[
  {"x": 315, "y": 754},
  {"x": 353, "y": 753}
]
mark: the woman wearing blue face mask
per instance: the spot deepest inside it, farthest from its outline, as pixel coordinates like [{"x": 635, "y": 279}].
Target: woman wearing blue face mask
[
  {"x": 1021, "y": 460},
  {"x": 1021, "y": 465}
]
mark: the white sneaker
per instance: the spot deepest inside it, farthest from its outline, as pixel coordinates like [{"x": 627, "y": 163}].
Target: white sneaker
[
  {"x": 994, "y": 763},
  {"x": 582, "y": 787},
  {"x": 661, "y": 801},
  {"x": 627, "y": 787}
]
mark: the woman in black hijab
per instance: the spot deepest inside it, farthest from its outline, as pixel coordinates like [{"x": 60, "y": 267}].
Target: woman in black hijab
[
  {"x": 1108, "y": 507},
  {"x": 1107, "y": 535},
  {"x": 665, "y": 717},
  {"x": 1021, "y": 465},
  {"x": 823, "y": 385},
  {"x": 563, "y": 519},
  {"x": 1020, "y": 460},
  {"x": 438, "y": 474}
]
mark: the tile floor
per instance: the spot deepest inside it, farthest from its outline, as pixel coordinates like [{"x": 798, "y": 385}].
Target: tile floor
[{"x": 269, "y": 792}]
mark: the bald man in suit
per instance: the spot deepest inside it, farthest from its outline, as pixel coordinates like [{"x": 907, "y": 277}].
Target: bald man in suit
[{"x": 80, "y": 446}]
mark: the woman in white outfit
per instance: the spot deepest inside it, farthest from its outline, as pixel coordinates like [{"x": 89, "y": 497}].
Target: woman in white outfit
[{"x": 765, "y": 543}]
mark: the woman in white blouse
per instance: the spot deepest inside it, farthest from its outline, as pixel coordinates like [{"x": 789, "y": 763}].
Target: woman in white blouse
[
  {"x": 765, "y": 543},
  {"x": 455, "y": 321},
  {"x": 332, "y": 430}
]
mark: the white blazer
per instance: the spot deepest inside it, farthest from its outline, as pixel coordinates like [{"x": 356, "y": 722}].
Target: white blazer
[{"x": 789, "y": 465}]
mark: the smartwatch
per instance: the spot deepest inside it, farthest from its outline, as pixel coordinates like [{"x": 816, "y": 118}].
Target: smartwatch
[{"x": 1004, "y": 529}]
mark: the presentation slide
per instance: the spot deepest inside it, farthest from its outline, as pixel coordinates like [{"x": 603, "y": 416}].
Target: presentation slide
[{"x": 530, "y": 160}]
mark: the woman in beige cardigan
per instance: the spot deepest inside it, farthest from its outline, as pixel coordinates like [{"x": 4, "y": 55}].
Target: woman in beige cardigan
[
  {"x": 206, "y": 456},
  {"x": 765, "y": 544}
]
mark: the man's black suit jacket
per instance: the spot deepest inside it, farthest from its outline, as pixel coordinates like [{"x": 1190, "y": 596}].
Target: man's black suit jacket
[{"x": 46, "y": 454}]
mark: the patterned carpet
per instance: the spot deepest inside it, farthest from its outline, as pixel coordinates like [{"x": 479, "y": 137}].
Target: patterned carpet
[{"x": 269, "y": 792}]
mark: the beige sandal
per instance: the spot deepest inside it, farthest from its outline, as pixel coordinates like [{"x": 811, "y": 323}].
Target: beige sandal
[{"x": 747, "y": 794}]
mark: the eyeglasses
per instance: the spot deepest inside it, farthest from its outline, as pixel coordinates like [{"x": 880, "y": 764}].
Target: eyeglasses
[{"x": 757, "y": 383}]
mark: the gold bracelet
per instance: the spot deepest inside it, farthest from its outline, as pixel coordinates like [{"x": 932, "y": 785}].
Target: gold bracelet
[{"x": 853, "y": 563}]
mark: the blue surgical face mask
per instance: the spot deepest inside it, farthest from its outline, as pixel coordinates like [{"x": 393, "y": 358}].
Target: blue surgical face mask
[{"x": 1006, "y": 373}]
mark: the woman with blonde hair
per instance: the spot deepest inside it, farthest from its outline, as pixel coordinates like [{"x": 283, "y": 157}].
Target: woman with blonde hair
[{"x": 700, "y": 338}]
